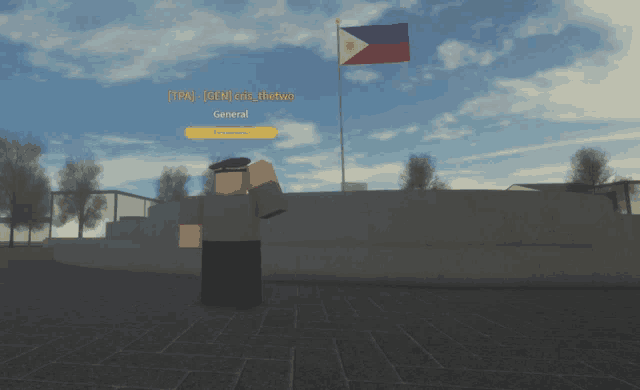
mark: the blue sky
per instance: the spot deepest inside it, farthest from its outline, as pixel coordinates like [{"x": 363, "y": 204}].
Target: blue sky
[{"x": 500, "y": 92}]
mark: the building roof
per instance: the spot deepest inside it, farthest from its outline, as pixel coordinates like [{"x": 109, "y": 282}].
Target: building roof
[
  {"x": 116, "y": 192},
  {"x": 5, "y": 220},
  {"x": 553, "y": 187},
  {"x": 571, "y": 187}
]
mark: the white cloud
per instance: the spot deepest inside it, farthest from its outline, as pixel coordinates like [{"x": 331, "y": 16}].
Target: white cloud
[
  {"x": 628, "y": 134},
  {"x": 486, "y": 59},
  {"x": 329, "y": 178},
  {"x": 458, "y": 172},
  {"x": 326, "y": 172},
  {"x": 278, "y": 9},
  {"x": 52, "y": 41},
  {"x": 198, "y": 37},
  {"x": 362, "y": 76},
  {"x": 451, "y": 53},
  {"x": 319, "y": 160},
  {"x": 387, "y": 134},
  {"x": 507, "y": 45},
  {"x": 184, "y": 36},
  {"x": 467, "y": 183},
  {"x": 455, "y": 54},
  {"x": 597, "y": 87},
  {"x": 412, "y": 129},
  {"x": 567, "y": 12},
  {"x": 304, "y": 187},
  {"x": 296, "y": 134},
  {"x": 165, "y": 4},
  {"x": 293, "y": 34},
  {"x": 539, "y": 26},
  {"x": 626, "y": 163},
  {"x": 435, "y": 11},
  {"x": 37, "y": 78},
  {"x": 502, "y": 125},
  {"x": 443, "y": 120},
  {"x": 359, "y": 13},
  {"x": 406, "y": 87},
  {"x": 544, "y": 170},
  {"x": 384, "y": 135},
  {"x": 448, "y": 134},
  {"x": 409, "y": 6},
  {"x": 442, "y": 131},
  {"x": 122, "y": 140},
  {"x": 117, "y": 172}
]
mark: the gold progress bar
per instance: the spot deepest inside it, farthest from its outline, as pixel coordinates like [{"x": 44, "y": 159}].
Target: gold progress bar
[{"x": 215, "y": 132}]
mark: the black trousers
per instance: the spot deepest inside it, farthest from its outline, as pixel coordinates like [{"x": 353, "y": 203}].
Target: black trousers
[{"x": 231, "y": 274}]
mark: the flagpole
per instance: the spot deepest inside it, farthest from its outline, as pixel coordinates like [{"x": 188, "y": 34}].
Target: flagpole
[{"x": 340, "y": 98}]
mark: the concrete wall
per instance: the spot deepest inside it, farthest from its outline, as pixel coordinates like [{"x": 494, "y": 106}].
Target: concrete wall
[
  {"x": 24, "y": 254},
  {"x": 149, "y": 244},
  {"x": 470, "y": 236},
  {"x": 151, "y": 256},
  {"x": 437, "y": 236},
  {"x": 123, "y": 228}
]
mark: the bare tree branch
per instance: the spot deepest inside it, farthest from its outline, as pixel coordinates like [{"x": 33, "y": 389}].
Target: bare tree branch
[{"x": 439, "y": 184}]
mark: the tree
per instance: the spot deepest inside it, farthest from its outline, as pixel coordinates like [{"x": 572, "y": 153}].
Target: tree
[
  {"x": 172, "y": 185},
  {"x": 439, "y": 184},
  {"x": 19, "y": 157},
  {"x": 419, "y": 173},
  {"x": 80, "y": 178},
  {"x": 209, "y": 181},
  {"x": 590, "y": 166},
  {"x": 38, "y": 194}
]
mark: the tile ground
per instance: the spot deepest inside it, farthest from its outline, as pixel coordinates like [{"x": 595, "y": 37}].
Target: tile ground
[{"x": 67, "y": 327}]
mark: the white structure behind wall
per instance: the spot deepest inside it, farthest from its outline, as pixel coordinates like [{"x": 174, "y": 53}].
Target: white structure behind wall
[
  {"x": 119, "y": 204},
  {"x": 355, "y": 187}
]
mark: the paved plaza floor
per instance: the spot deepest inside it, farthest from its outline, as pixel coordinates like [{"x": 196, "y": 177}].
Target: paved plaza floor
[{"x": 69, "y": 327}]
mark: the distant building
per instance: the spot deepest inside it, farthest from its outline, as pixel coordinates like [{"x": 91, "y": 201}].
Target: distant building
[
  {"x": 552, "y": 187},
  {"x": 119, "y": 204},
  {"x": 350, "y": 187},
  {"x": 624, "y": 194}
]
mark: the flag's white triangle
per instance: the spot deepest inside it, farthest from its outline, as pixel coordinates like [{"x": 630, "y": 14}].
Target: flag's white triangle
[{"x": 349, "y": 46}]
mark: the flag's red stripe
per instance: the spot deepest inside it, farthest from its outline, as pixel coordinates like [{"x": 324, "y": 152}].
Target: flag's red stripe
[{"x": 380, "y": 54}]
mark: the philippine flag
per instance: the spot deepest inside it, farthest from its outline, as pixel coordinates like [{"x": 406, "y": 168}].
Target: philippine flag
[{"x": 374, "y": 44}]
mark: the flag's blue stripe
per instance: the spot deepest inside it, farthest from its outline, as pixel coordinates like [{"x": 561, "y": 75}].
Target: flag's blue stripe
[{"x": 379, "y": 35}]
